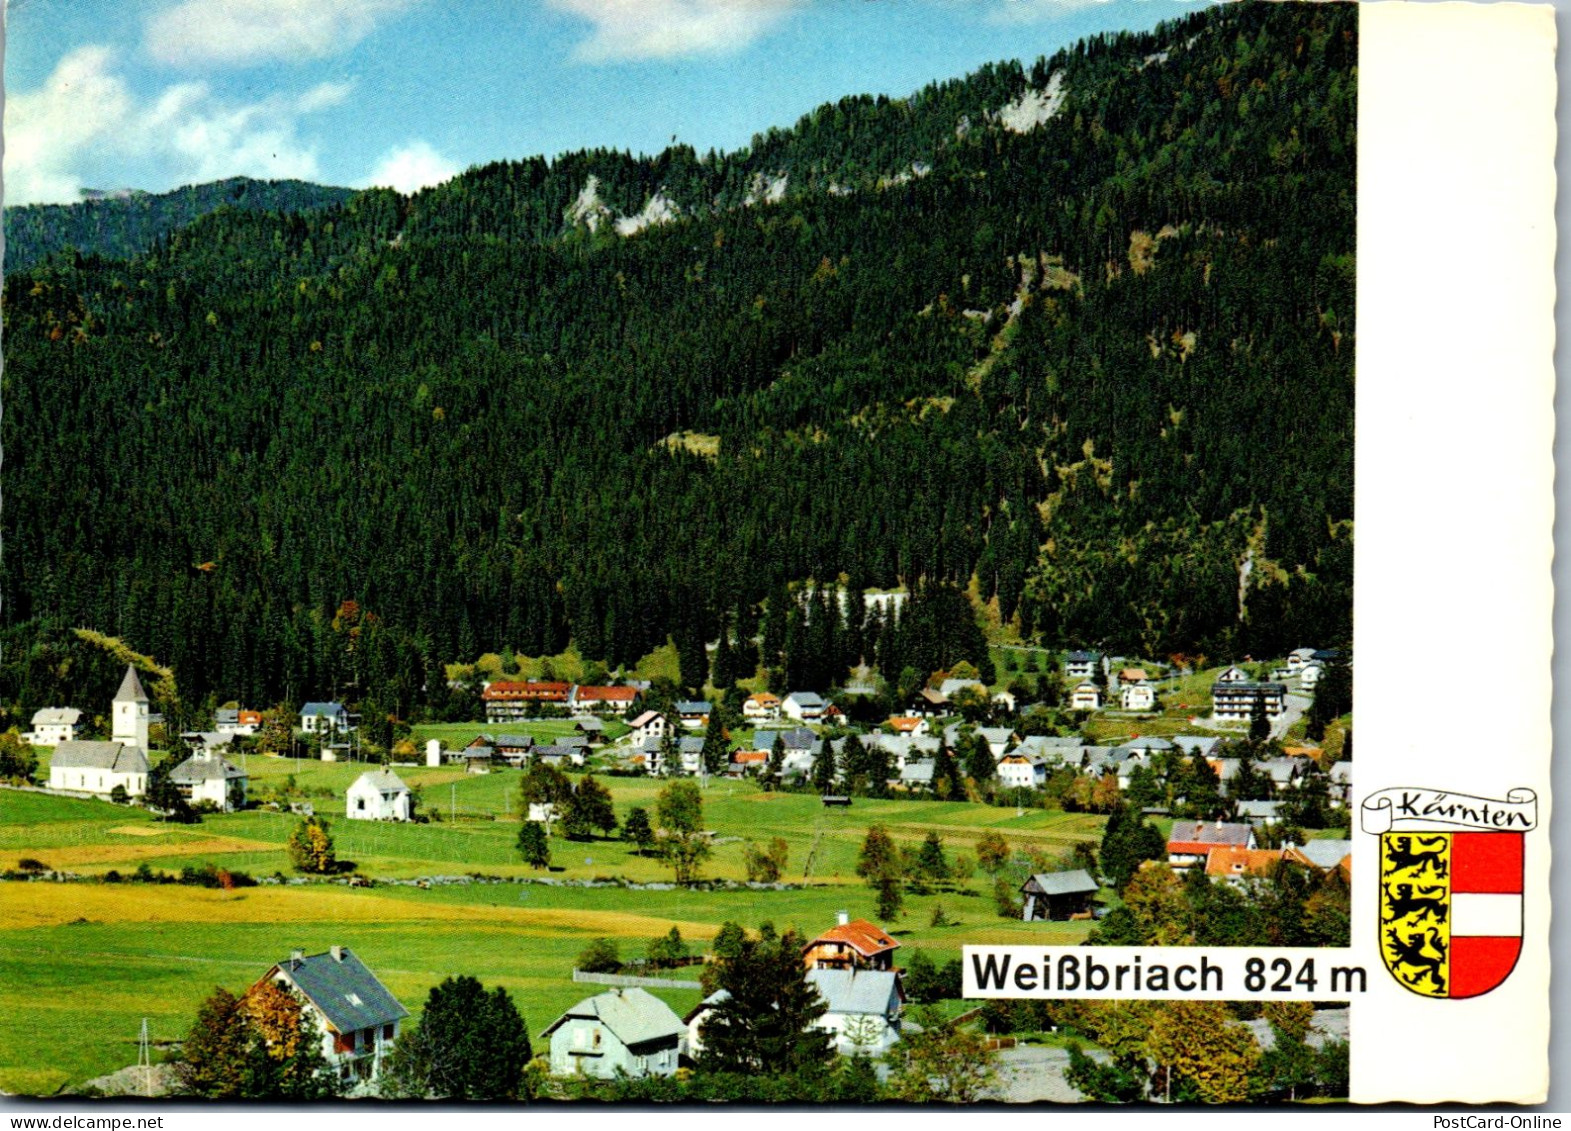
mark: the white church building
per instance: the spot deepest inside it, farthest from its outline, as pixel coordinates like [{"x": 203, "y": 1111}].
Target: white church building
[{"x": 98, "y": 767}]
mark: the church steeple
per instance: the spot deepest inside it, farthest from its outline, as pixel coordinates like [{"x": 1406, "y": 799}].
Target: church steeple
[{"x": 131, "y": 712}]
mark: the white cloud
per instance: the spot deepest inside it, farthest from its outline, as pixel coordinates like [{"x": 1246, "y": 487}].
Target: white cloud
[
  {"x": 665, "y": 29},
  {"x": 85, "y": 111},
  {"x": 242, "y": 32},
  {"x": 409, "y": 168}
]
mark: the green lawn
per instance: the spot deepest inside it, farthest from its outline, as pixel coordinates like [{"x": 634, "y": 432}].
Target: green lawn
[{"x": 85, "y": 1010}]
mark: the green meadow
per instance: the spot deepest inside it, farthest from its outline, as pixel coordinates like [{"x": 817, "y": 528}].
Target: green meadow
[{"x": 81, "y": 964}]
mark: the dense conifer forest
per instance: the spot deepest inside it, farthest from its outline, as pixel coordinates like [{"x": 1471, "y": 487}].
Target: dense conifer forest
[{"x": 1098, "y": 372}]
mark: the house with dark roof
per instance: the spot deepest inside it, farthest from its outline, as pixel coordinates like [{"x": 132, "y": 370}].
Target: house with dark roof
[
  {"x": 862, "y": 1008},
  {"x": 98, "y": 767},
  {"x": 208, "y": 776},
  {"x": 1234, "y": 696},
  {"x": 694, "y": 713},
  {"x": 378, "y": 795},
  {"x": 53, "y": 725},
  {"x": 324, "y": 718},
  {"x": 620, "y": 1031},
  {"x": 1192, "y": 841},
  {"x": 1058, "y": 895},
  {"x": 803, "y": 706},
  {"x": 851, "y": 944},
  {"x": 1081, "y": 665},
  {"x": 357, "y": 1016}
]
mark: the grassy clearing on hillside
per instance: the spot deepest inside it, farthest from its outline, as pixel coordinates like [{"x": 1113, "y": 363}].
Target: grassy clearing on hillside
[{"x": 156, "y": 952}]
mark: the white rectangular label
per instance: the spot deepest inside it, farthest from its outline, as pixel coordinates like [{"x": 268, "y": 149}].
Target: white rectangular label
[{"x": 1171, "y": 973}]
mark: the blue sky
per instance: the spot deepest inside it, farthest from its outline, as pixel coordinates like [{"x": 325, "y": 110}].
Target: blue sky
[{"x": 153, "y": 94}]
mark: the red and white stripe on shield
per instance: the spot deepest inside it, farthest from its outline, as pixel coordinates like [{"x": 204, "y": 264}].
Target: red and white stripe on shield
[{"x": 1486, "y": 910}]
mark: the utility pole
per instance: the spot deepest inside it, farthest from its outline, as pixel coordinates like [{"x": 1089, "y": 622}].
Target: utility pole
[{"x": 144, "y": 1060}]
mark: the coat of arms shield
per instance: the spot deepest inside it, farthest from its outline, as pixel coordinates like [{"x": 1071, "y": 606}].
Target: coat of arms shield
[{"x": 1450, "y": 887}]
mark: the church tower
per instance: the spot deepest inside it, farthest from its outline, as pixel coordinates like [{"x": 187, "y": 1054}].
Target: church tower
[{"x": 130, "y": 712}]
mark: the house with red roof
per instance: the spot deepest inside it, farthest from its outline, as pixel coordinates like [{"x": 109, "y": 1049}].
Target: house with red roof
[
  {"x": 603, "y": 700},
  {"x": 852, "y": 944},
  {"x": 1191, "y": 842}
]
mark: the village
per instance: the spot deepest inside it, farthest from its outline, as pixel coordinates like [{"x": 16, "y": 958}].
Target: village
[{"x": 973, "y": 808}]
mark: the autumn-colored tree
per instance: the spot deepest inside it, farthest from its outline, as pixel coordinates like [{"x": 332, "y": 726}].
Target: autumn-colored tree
[
  {"x": 1156, "y": 900},
  {"x": 288, "y": 1061},
  {"x": 765, "y": 863},
  {"x": 1201, "y": 1053},
  {"x": 942, "y": 1062},
  {"x": 311, "y": 847},
  {"x": 992, "y": 851},
  {"x": 215, "y": 1059}
]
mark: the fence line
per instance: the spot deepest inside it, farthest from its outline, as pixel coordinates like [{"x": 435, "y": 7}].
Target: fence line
[{"x": 632, "y": 980}]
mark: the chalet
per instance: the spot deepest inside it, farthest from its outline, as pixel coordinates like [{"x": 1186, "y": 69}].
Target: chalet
[
  {"x": 1235, "y": 698},
  {"x": 209, "y": 776},
  {"x": 478, "y": 759},
  {"x": 1192, "y": 841},
  {"x": 907, "y": 724},
  {"x": 378, "y": 795},
  {"x": 928, "y": 702},
  {"x": 1086, "y": 697},
  {"x": 1299, "y": 658},
  {"x": 622, "y": 1031},
  {"x": 1235, "y": 864},
  {"x": 1081, "y": 665},
  {"x": 803, "y": 706},
  {"x": 52, "y": 726},
  {"x": 1058, "y": 895},
  {"x": 1195, "y": 744},
  {"x": 748, "y": 762},
  {"x": 1051, "y": 748},
  {"x": 1309, "y": 676},
  {"x": 1137, "y": 697},
  {"x": 650, "y": 724},
  {"x": 1018, "y": 771},
  {"x": 230, "y": 720},
  {"x": 324, "y": 718},
  {"x": 1128, "y": 677},
  {"x": 557, "y": 754},
  {"x": 761, "y": 706},
  {"x": 356, "y": 1015},
  {"x": 604, "y": 700},
  {"x": 851, "y": 944},
  {"x": 512, "y": 699},
  {"x": 514, "y": 749},
  {"x": 694, "y": 713},
  {"x": 99, "y": 767}
]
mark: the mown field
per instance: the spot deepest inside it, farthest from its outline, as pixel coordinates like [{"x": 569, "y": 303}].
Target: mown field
[{"x": 81, "y": 964}]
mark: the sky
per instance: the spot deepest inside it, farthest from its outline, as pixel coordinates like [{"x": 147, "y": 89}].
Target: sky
[{"x": 155, "y": 94}]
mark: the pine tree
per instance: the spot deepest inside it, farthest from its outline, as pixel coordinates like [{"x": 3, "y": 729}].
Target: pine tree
[
  {"x": 468, "y": 1045},
  {"x": 769, "y": 1022},
  {"x": 535, "y": 845}
]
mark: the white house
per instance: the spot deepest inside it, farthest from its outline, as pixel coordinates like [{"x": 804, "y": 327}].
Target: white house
[
  {"x": 52, "y": 726},
  {"x": 1309, "y": 675},
  {"x": 98, "y": 767},
  {"x": 1298, "y": 658},
  {"x": 378, "y": 795},
  {"x": 1086, "y": 697},
  {"x": 357, "y": 1016},
  {"x": 1019, "y": 771},
  {"x": 863, "y": 1010},
  {"x": 761, "y": 706},
  {"x": 803, "y": 706},
  {"x": 650, "y": 724},
  {"x": 209, "y": 776},
  {"x": 231, "y": 720},
  {"x": 1138, "y": 697},
  {"x": 324, "y": 718},
  {"x": 620, "y": 1031},
  {"x": 1081, "y": 665}
]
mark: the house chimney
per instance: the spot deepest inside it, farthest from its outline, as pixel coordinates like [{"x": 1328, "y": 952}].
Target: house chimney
[
  {"x": 843, "y": 917},
  {"x": 295, "y": 959},
  {"x": 338, "y": 954}
]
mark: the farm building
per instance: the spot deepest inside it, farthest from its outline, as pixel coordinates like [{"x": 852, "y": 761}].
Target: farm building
[
  {"x": 1057, "y": 895},
  {"x": 52, "y": 726}
]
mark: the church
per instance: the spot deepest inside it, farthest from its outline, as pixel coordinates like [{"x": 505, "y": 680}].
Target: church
[{"x": 98, "y": 767}]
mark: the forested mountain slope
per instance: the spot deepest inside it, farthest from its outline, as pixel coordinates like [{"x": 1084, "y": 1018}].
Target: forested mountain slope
[
  {"x": 1093, "y": 354},
  {"x": 128, "y": 222}
]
